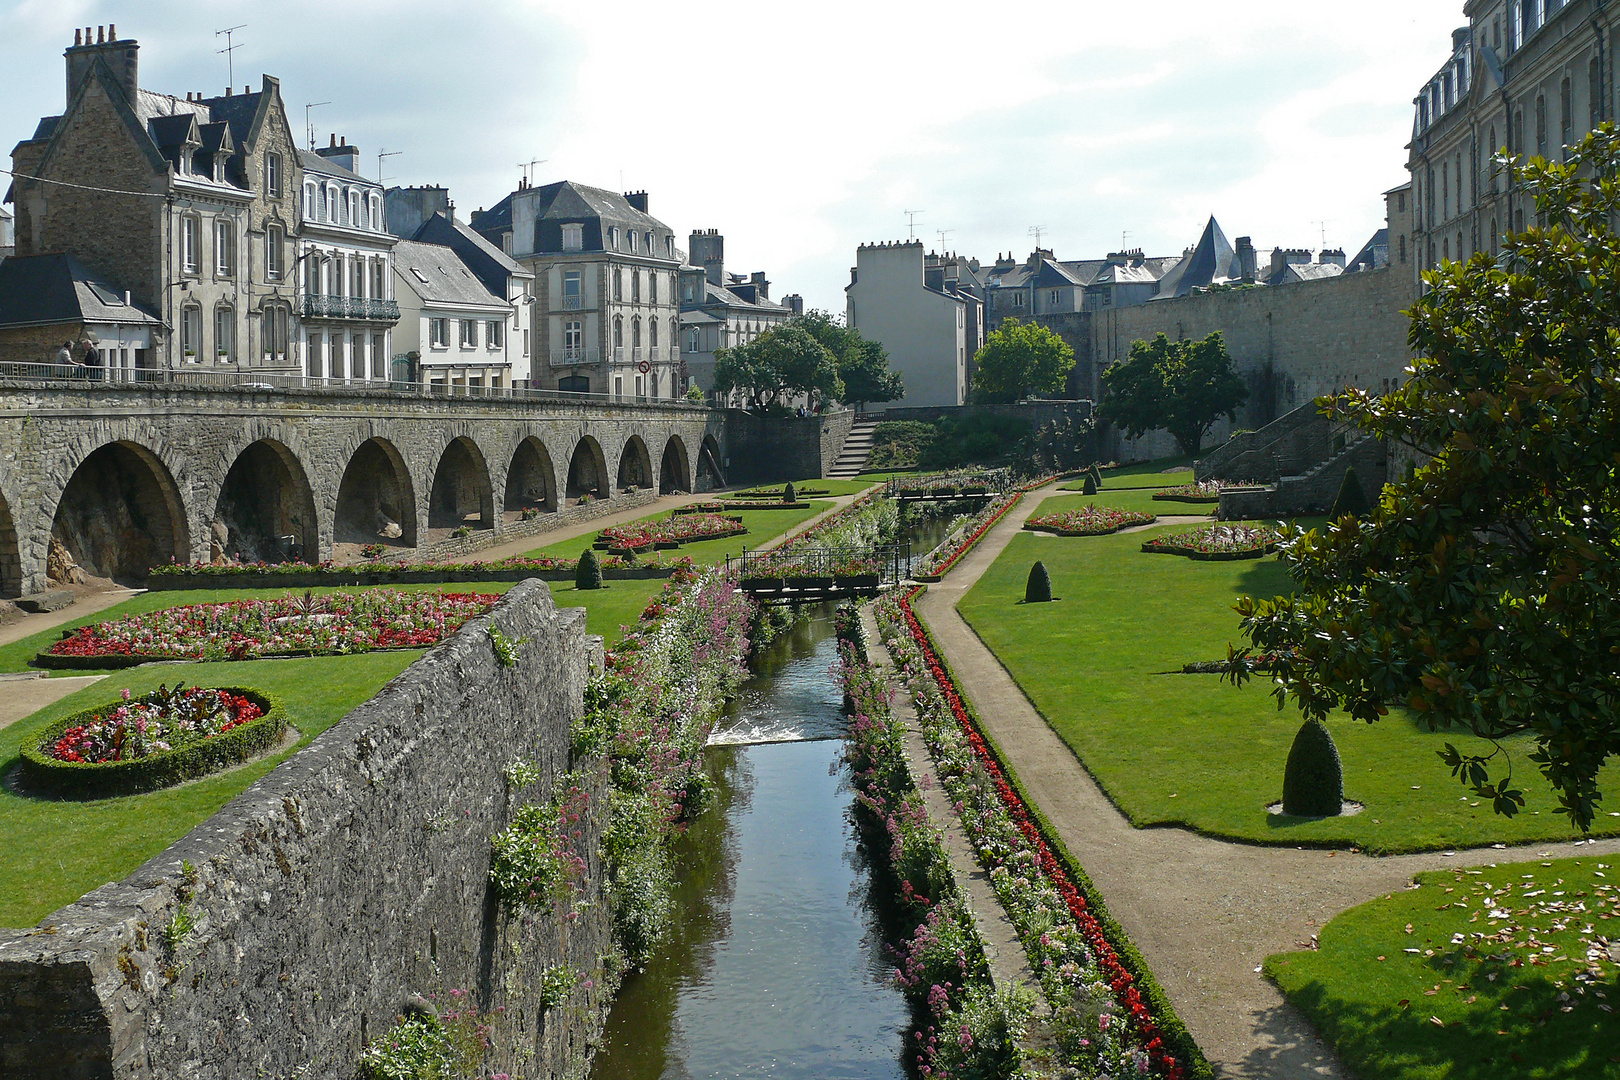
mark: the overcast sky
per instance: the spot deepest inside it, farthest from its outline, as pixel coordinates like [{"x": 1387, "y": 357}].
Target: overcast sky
[{"x": 802, "y": 130}]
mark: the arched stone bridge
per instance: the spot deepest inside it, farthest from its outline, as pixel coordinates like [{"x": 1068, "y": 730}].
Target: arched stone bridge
[{"x": 124, "y": 477}]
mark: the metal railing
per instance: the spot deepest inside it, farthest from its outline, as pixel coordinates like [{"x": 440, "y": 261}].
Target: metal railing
[
  {"x": 933, "y": 485},
  {"x": 349, "y": 307},
  {"x": 248, "y": 380},
  {"x": 574, "y": 356},
  {"x": 571, "y": 303},
  {"x": 892, "y": 562}
]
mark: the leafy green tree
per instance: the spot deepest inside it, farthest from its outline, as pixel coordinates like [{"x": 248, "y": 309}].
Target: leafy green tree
[
  {"x": 1180, "y": 386},
  {"x": 1019, "y": 359},
  {"x": 784, "y": 360},
  {"x": 1483, "y": 592},
  {"x": 863, "y": 366}
]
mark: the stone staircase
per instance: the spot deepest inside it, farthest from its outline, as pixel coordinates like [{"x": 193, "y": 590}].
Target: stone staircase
[
  {"x": 1314, "y": 490},
  {"x": 856, "y": 449}
]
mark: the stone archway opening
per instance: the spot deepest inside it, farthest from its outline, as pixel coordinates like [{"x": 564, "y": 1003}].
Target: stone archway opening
[
  {"x": 709, "y": 474},
  {"x": 120, "y": 515},
  {"x": 674, "y": 472},
  {"x": 587, "y": 471},
  {"x": 376, "y": 501},
  {"x": 635, "y": 465},
  {"x": 531, "y": 481},
  {"x": 266, "y": 510},
  {"x": 461, "y": 494},
  {"x": 10, "y": 555}
]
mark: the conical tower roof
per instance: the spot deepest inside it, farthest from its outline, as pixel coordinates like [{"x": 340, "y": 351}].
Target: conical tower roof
[{"x": 1211, "y": 261}]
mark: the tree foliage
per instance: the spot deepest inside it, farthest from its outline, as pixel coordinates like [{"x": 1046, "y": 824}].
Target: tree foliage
[
  {"x": 783, "y": 361},
  {"x": 1483, "y": 592},
  {"x": 1019, "y": 359},
  {"x": 1181, "y": 386},
  {"x": 863, "y": 366}
]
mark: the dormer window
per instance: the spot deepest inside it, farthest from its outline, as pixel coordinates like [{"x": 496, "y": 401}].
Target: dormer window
[
  {"x": 632, "y": 240},
  {"x": 311, "y": 203},
  {"x": 613, "y": 237},
  {"x": 332, "y": 205},
  {"x": 573, "y": 237},
  {"x": 649, "y": 238}
]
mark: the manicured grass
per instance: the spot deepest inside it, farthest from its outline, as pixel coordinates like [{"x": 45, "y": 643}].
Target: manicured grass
[
  {"x": 1127, "y": 499},
  {"x": 763, "y": 526},
  {"x": 1192, "y": 750},
  {"x": 831, "y": 487},
  {"x": 616, "y": 604},
  {"x": 55, "y": 851},
  {"x": 1150, "y": 474},
  {"x": 1427, "y": 985}
]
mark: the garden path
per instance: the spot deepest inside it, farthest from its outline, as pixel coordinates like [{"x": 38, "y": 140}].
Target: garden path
[
  {"x": 85, "y": 604},
  {"x": 24, "y": 697},
  {"x": 1205, "y": 913}
]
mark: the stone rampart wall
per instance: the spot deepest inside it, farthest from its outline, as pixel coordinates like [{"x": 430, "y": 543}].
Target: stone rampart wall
[{"x": 348, "y": 879}]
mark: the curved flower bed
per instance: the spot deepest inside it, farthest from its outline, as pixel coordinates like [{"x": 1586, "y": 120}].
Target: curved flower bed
[
  {"x": 1207, "y": 492},
  {"x": 153, "y": 741},
  {"x": 1217, "y": 542},
  {"x": 308, "y": 575},
  {"x": 685, "y": 529},
  {"x": 1101, "y": 1017},
  {"x": 291, "y": 626},
  {"x": 1090, "y": 521}
]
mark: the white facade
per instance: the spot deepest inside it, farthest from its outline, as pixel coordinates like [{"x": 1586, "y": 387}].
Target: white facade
[
  {"x": 924, "y": 330},
  {"x": 459, "y": 337},
  {"x": 345, "y": 277}
]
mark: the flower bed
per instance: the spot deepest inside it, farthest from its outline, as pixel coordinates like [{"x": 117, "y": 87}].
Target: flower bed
[
  {"x": 1217, "y": 542},
  {"x": 1207, "y": 492},
  {"x": 154, "y": 741},
  {"x": 938, "y": 562},
  {"x": 967, "y": 481},
  {"x": 686, "y": 529},
  {"x": 775, "y": 494},
  {"x": 1090, "y": 521},
  {"x": 249, "y": 629},
  {"x": 1101, "y": 1017},
  {"x": 317, "y": 575}
]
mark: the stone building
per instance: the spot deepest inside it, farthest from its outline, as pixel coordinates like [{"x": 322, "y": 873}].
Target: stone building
[
  {"x": 1530, "y": 76},
  {"x": 188, "y": 203},
  {"x": 721, "y": 310},
  {"x": 453, "y": 329},
  {"x": 923, "y": 328},
  {"x": 503, "y": 276},
  {"x": 346, "y": 276},
  {"x": 8, "y": 232},
  {"x": 605, "y": 283}
]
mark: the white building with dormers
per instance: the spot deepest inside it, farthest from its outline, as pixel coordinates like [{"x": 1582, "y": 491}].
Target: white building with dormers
[{"x": 345, "y": 272}]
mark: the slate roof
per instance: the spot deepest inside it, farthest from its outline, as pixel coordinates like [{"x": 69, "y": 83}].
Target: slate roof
[
  {"x": 568, "y": 201},
  {"x": 1211, "y": 261},
  {"x": 489, "y": 264},
  {"x": 1373, "y": 255},
  {"x": 1305, "y": 272},
  {"x": 238, "y": 110},
  {"x": 314, "y": 163},
  {"x": 39, "y": 290},
  {"x": 447, "y": 278}
]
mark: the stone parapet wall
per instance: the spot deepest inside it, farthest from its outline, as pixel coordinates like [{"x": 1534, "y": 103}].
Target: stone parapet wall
[
  {"x": 348, "y": 879},
  {"x": 765, "y": 448},
  {"x": 1036, "y": 412},
  {"x": 454, "y": 547}
]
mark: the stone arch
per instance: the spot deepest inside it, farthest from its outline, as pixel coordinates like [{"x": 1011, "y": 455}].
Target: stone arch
[
  {"x": 120, "y": 514},
  {"x": 675, "y": 471},
  {"x": 531, "y": 479},
  {"x": 587, "y": 470},
  {"x": 635, "y": 465},
  {"x": 709, "y": 473},
  {"x": 376, "y": 501},
  {"x": 461, "y": 491},
  {"x": 11, "y": 579},
  {"x": 266, "y": 497}
]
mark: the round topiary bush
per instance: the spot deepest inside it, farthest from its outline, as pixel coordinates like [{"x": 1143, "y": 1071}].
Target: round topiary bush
[
  {"x": 1351, "y": 498},
  {"x": 788, "y": 494},
  {"x": 1038, "y": 590},
  {"x": 588, "y": 575},
  {"x": 1313, "y": 781},
  {"x": 1091, "y": 485}
]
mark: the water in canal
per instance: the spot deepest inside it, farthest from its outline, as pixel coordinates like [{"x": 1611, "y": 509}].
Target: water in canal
[{"x": 774, "y": 964}]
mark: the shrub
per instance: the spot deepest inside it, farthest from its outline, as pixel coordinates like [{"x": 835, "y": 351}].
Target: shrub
[
  {"x": 977, "y": 437},
  {"x": 1313, "y": 781},
  {"x": 588, "y": 575},
  {"x": 1351, "y": 498},
  {"x": 1096, "y": 473},
  {"x": 460, "y": 531},
  {"x": 1091, "y": 485},
  {"x": 788, "y": 494},
  {"x": 1038, "y": 590},
  {"x": 899, "y": 444}
]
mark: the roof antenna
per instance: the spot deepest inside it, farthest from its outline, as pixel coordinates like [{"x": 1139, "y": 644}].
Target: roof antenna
[
  {"x": 308, "y": 124},
  {"x": 229, "y": 50},
  {"x": 381, "y": 153},
  {"x": 1322, "y": 225},
  {"x": 1036, "y": 231},
  {"x": 1125, "y": 240},
  {"x": 944, "y": 235},
  {"x": 529, "y": 171},
  {"x": 911, "y": 222}
]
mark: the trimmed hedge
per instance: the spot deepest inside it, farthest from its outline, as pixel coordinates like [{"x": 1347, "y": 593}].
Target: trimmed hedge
[
  {"x": 43, "y": 774},
  {"x": 1313, "y": 779}
]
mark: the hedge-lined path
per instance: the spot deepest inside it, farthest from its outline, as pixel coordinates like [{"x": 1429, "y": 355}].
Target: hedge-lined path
[
  {"x": 24, "y": 697},
  {"x": 1205, "y": 913},
  {"x": 838, "y": 503}
]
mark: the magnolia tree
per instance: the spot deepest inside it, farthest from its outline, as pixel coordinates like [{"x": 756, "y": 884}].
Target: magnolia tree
[
  {"x": 1180, "y": 386},
  {"x": 1483, "y": 592}
]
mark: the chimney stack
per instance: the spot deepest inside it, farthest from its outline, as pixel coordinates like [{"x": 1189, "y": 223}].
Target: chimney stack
[
  {"x": 637, "y": 199},
  {"x": 122, "y": 57},
  {"x": 1246, "y": 259}
]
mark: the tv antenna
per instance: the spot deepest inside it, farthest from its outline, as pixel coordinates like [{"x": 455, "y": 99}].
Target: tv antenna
[
  {"x": 1125, "y": 240},
  {"x": 911, "y": 222},
  {"x": 309, "y": 124},
  {"x": 229, "y": 51},
  {"x": 1036, "y": 231},
  {"x": 381, "y": 153},
  {"x": 529, "y": 170},
  {"x": 944, "y": 236},
  {"x": 1322, "y": 225}
]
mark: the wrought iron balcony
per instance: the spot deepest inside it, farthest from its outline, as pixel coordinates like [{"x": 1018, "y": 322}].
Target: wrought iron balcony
[
  {"x": 350, "y": 307},
  {"x": 571, "y": 303},
  {"x": 570, "y": 357}
]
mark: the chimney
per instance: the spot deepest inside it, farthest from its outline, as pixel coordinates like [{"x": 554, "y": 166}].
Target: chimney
[
  {"x": 1246, "y": 259},
  {"x": 122, "y": 57},
  {"x": 1332, "y": 256},
  {"x": 708, "y": 250},
  {"x": 405, "y": 209},
  {"x": 794, "y": 303},
  {"x": 341, "y": 153},
  {"x": 762, "y": 288},
  {"x": 637, "y": 199}
]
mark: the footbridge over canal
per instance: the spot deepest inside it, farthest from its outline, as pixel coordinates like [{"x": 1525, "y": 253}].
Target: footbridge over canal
[{"x": 119, "y": 477}]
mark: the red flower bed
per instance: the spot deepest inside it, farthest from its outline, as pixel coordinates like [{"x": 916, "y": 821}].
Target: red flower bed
[
  {"x": 1120, "y": 980},
  {"x": 684, "y": 529}
]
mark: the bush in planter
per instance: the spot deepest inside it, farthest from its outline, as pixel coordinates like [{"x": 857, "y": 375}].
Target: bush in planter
[
  {"x": 1038, "y": 589},
  {"x": 1351, "y": 498},
  {"x": 47, "y": 774},
  {"x": 1313, "y": 780},
  {"x": 588, "y": 574},
  {"x": 788, "y": 494}
]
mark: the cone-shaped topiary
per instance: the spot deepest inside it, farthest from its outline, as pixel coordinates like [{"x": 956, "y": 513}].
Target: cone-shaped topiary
[
  {"x": 788, "y": 494},
  {"x": 1351, "y": 499},
  {"x": 1091, "y": 485},
  {"x": 1096, "y": 473},
  {"x": 588, "y": 574},
  {"x": 1313, "y": 781},
  {"x": 1038, "y": 590}
]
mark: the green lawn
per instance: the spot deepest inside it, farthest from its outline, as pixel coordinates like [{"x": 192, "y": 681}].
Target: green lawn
[
  {"x": 1191, "y": 750},
  {"x": 762, "y": 525},
  {"x": 831, "y": 487},
  {"x": 1427, "y": 985},
  {"x": 1148, "y": 474},
  {"x": 1129, "y": 499},
  {"x": 55, "y": 851}
]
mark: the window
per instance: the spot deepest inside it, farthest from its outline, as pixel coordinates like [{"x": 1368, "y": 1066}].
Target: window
[
  {"x": 357, "y": 276},
  {"x": 332, "y": 205},
  {"x": 495, "y": 334},
  {"x": 635, "y": 333},
  {"x": 573, "y": 339},
  {"x": 379, "y": 278},
  {"x": 669, "y": 247},
  {"x": 618, "y": 284},
  {"x": 376, "y": 214},
  {"x": 272, "y": 175},
  {"x": 652, "y": 333},
  {"x": 190, "y": 228},
  {"x": 354, "y": 209},
  {"x": 613, "y": 237},
  {"x": 469, "y": 333},
  {"x": 312, "y": 274},
  {"x": 648, "y": 237},
  {"x": 224, "y": 247},
  {"x": 311, "y": 203},
  {"x": 573, "y": 237},
  {"x": 1541, "y": 126},
  {"x": 652, "y": 288},
  {"x": 225, "y": 332},
  {"x": 618, "y": 331},
  {"x": 191, "y": 331},
  {"x": 1403, "y": 247},
  {"x": 692, "y": 340},
  {"x": 1445, "y": 190},
  {"x": 618, "y": 386},
  {"x": 379, "y": 356},
  {"x": 571, "y": 288},
  {"x": 686, "y": 290},
  {"x": 635, "y": 285},
  {"x": 272, "y": 253},
  {"x": 525, "y": 342},
  {"x": 1018, "y": 299},
  {"x": 1056, "y": 298},
  {"x": 439, "y": 333},
  {"x": 1594, "y": 93},
  {"x": 274, "y": 333},
  {"x": 632, "y": 240},
  {"x": 1566, "y": 114},
  {"x": 315, "y": 345}
]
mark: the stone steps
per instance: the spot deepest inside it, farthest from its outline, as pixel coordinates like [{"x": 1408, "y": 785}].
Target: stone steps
[{"x": 856, "y": 449}]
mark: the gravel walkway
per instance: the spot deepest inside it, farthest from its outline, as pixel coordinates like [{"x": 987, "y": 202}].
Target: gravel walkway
[{"x": 1205, "y": 913}]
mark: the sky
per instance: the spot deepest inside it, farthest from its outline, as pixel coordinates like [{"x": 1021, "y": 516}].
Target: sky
[{"x": 803, "y": 130}]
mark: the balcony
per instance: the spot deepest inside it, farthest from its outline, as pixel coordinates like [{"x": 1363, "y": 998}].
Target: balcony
[
  {"x": 571, "y": 303},
  {"x": 575, "y": 356},
  {"x": 350, "y": 307}
]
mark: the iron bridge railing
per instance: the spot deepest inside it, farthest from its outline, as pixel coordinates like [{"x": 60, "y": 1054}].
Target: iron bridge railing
[{"x": 891, "y": 563}]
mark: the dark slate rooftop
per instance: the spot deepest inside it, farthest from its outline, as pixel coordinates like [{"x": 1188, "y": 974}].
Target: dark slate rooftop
[
  {"x": 39, "y": 290},
  {"x": 437, "y": 275},
  {"x": 1210, "y": 261},
  {"x": 314, "y": 163},
  {"x": 568, "y": 201},
  {"x": 1374, "y": 254},
  {"x": 489, "y": 264}
]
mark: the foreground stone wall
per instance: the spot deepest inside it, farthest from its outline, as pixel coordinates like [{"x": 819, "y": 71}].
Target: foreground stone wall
[{"x": 348, "y": 879}]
